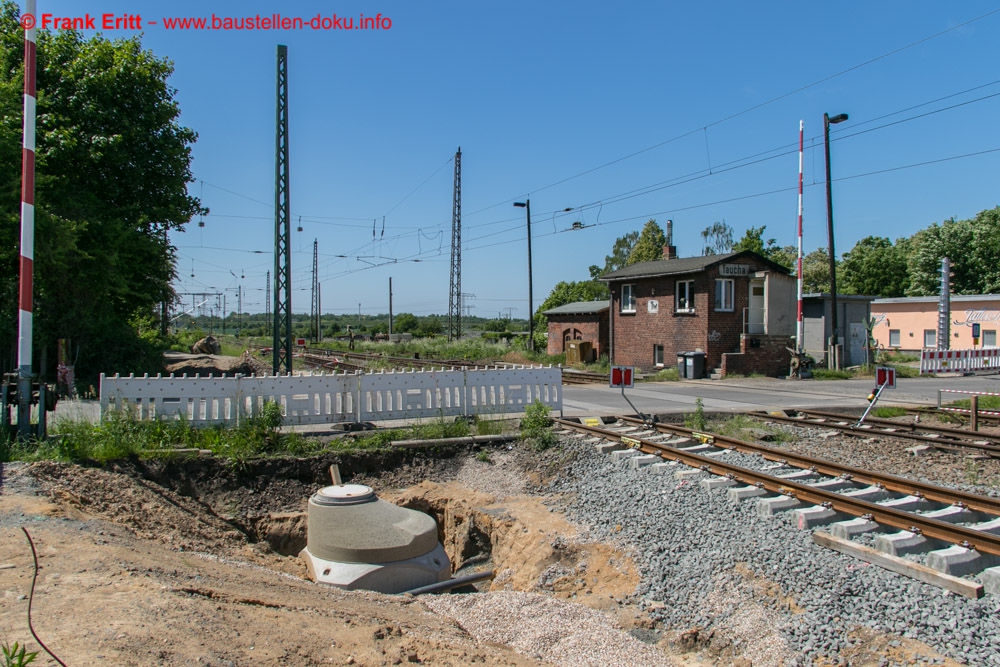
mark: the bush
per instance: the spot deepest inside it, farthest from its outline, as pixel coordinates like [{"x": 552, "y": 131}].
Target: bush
[
  {"x": 535, "y": 429},
  {"x": 696, "y": 420}
]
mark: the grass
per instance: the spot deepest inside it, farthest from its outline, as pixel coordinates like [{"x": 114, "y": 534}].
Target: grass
[
  {"x": 535, "y": 431},
  {"x": 862, "y": 372},
  {"x": 984, "y": 403},
  {"x": 662, "y": 375},
  {"x": 696, "y": 420},
  {"x": 888, "y": 411},
  {"x": 737, "y": 425}
]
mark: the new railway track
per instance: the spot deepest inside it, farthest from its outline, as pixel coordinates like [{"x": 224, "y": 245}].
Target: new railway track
[
  {"x": 822, "y": 491},
  {"x": 939, "y": 437}
]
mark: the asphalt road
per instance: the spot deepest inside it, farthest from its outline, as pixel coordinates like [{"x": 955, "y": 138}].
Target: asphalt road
[
  {"x": 731, "y": 395},
  {"x": 743, "y": 394}
]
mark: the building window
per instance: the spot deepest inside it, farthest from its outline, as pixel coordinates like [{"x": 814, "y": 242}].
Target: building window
[
  {"x": 658, "y": 356},
  {"x": 893, "y": 337},
  {"x": 930, "y": 338},
  {"x": 724, "y": 294},
  {"x": 989, "y": 337},
  {"x": 684, "y": 296},
  {"x": 628, "y": 298}
]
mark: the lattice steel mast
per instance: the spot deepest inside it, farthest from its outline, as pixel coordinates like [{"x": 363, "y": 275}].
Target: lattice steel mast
[
  {"x": 314, "y": 307},
  {"x": 282, "y": 227},
  {"x": 455, "y": 284}
]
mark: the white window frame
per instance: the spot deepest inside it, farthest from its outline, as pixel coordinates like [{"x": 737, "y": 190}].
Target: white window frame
[
  {"x": 894, "y": 335},
  {"x": 628, "y": 303},
  {"x": 658, "y": 356},
  {"x": 725, "y": 305},
  {"x": 930, "y": 334},
  {"x": 687, "y": 286},
  {"x": 992, "y": 334}
]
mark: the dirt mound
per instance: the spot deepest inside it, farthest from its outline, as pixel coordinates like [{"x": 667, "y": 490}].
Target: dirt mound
[{"x": 214, "y": 365}]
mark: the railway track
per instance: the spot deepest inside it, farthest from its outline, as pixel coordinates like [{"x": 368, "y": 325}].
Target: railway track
[
  {"x": 361, "y": 361},
  {"x": 583, "y": 377},
  {"x": 850, "y": 500},
  {"x": 938, "y": 437}
]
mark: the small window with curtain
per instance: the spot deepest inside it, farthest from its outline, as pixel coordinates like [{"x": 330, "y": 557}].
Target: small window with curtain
[
  {"x": 684, "y": 296},
  {"x": 930, "y": 338},
  {"x": 894, "y": 338}
]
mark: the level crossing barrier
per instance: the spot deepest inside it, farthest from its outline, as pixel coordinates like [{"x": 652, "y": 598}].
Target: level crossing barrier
[{"x": 959, "y": 361}]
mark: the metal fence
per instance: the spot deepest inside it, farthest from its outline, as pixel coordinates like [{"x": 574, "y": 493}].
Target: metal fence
[{"x": 333, "y": 398}]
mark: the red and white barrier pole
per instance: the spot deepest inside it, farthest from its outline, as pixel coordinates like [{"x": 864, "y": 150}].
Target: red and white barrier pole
[
  {"x": 27, "y": 233},
  {"x": 799, "y": 326}
]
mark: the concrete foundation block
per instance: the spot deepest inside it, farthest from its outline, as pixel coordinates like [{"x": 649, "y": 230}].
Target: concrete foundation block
[
  {"x": 845, "y": 530},
  {"x": 903, "y": 543},
  {"x": 992, "y": 527},
  {"x": 909, "y": 504},
  {"x": 955, "y": 514},
  {"x": 800, "y": 476},
  {"x": 767, "y": 507},
  {"x": 872, "y": 494},
  {"x": 622, "y": 454},
  {"x": 991, "y": 580},
  {"x": 917, "y": 450},
  {"x": 687, "y": 473},
  {"x": 700, "y": 449},
  {"x": 608, "y": 447},
  {"x": 721, "y": 452},
  {"x": 815, "y": 515},
  {"x": 679, "y": 442},
  {"x": 959, "y": 561},
  {"x": 643, "y": 460},
  {"x": 713, "y": 483},
  {"x": 661, "y": 468},
  {"x": 836, "y": 484},
  {"x": 744, "y": 492}
]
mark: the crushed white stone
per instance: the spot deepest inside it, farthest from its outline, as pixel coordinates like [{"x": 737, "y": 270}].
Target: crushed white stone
[{"x": 546, "y": 629}]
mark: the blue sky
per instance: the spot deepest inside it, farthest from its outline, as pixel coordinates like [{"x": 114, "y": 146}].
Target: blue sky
[{"x": 573, "y": 104}]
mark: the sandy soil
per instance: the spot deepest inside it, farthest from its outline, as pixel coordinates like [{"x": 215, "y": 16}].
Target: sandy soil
[
  {"x": 195, "y": 562},
  {"x": 202, "y": 569}
]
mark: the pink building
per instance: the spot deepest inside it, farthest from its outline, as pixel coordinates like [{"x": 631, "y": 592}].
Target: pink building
[{"x": 911, "y": 323}]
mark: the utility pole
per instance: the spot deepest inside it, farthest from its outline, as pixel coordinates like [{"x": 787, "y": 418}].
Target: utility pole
[
  {"x": 282, "y": 351},
  {"x": 455, "y": 283},
  {"x": 390, "y": 305}
]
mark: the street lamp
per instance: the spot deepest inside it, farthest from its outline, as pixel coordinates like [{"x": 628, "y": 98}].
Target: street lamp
[
  {"x": 526, "y": 205},
  {"x": 834, "y": 338}
]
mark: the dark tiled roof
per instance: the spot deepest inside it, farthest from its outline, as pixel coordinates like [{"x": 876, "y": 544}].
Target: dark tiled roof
[
  {"x": 681, "y": 265},
  {"x": 579, "y": 308}
]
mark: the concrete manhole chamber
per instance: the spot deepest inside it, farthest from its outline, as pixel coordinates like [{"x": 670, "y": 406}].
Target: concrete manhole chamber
[{"x": 354, "y": 540}]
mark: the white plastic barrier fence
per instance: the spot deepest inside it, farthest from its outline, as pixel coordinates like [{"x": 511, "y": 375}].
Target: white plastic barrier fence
[
  {"x": 323, "y": 399},
  {"x": 959, "y": 361}
]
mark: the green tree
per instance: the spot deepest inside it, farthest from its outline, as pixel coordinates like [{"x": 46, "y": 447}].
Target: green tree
[
  {"x": 430, "y": 326},
  {"x": 816, "y": 272},
  {"x": 717, "y": 239},
  {"x": 405, "y": 323},
  {"x": 649, "y": 246},
  {"x": 618, "y": 257},
  {"x": 973, "y": 246},
  {"x": 874, "y": 266},
  {"x": 112, "y": 164},
  {"x": 571, "y": 292},
  {"x": 753, "y": 240}
]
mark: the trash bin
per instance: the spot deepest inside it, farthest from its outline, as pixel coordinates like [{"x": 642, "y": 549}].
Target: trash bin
[
  {"x": 682, "y": 365},
  {"x": 695, "y": 365}
]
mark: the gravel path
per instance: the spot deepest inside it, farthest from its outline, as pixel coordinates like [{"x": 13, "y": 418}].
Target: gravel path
[{"x": 758, "y": 588}]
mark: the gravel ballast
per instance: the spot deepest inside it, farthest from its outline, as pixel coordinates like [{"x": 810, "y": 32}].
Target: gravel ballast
[{"x": 716, "y": 569}]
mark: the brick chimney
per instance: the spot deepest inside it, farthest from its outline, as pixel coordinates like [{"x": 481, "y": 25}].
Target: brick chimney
[{"x": 670, "y": 250}]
